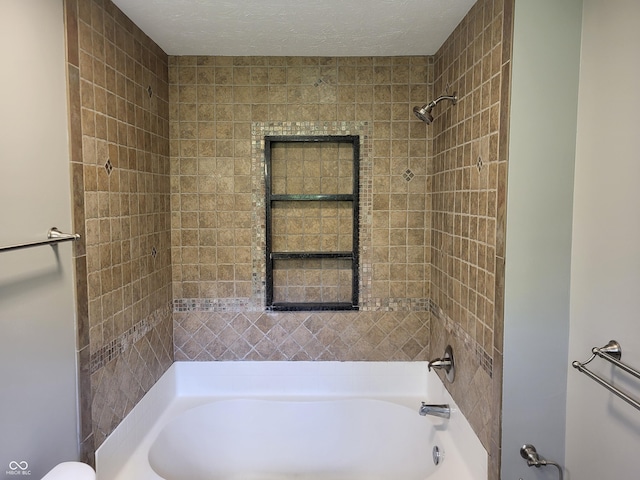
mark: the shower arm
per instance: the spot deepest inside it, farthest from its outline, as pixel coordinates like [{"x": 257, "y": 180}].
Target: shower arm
[
  {"x": 424, "y": 112},
  {"x": 452, "y": 98}
]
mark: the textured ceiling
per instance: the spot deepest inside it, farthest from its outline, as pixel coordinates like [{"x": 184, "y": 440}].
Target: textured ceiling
[{"x": 297, "y": 27}]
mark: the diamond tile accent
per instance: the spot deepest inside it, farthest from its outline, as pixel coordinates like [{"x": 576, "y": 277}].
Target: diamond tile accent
[
  {"x": 108, "y": 167},
  {"x": 154, "y": 252},
  {"x": 479, "y": 163},
  {"x": 149, "y": 91},
  {"x": 408, "y": 175},
  {"x": 337, "y": 336}
]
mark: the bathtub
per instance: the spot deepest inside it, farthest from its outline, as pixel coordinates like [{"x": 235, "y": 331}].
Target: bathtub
[{"x": 292, "y": 420}]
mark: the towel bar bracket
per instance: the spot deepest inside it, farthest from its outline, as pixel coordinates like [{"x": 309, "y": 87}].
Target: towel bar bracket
[
  {"x": 612, "y": 349},
  {"x": 53, "y": 236},
  {"x": 611, "y": 352}
]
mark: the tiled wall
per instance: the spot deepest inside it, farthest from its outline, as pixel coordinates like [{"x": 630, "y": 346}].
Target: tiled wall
[
  {"x": 221, "y": 108},
  {"x": 119, "y": 136},
  {"x": 468, "y": 191}
]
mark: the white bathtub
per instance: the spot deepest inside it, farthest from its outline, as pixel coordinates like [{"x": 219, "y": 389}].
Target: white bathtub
[{"x": 292, "y": 420}]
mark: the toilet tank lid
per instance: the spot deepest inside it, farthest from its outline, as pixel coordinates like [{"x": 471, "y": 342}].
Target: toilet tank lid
[{"x": 71, "y": 471}]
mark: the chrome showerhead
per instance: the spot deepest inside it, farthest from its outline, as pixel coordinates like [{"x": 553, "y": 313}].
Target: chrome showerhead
[{"x": 424, "y": 112}]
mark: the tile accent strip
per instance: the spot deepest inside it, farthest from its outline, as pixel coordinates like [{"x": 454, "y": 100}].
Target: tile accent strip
[
  {"x": 214, "y": 305},
  {"x": 242, "y": 305},
  {"x": 126, "y": 340}
]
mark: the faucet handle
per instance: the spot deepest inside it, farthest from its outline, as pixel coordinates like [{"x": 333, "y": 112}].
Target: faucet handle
[
  {"x": 438, "y": 363},
  {"x": 446, "y": 363}
]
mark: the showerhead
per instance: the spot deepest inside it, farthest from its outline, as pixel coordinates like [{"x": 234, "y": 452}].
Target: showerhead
[{"x": 424, "y": 112}]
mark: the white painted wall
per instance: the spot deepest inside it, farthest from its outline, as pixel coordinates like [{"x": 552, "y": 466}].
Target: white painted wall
[
  {"x": 38, "y": 419},
  {"x": 546, "y": 50},
  {"x": 603, "y": 432}
]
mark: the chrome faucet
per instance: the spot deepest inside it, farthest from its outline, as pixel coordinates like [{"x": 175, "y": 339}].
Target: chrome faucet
[
  {"x": 439, "y": 363},
  {"x": 436, "y": 410}
]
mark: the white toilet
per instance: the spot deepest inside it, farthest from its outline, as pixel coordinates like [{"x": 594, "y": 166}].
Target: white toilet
[{"x": 71, "y": 471}]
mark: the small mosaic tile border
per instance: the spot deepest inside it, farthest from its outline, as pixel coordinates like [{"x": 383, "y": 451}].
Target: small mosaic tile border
[
  {"x": 126, "y": 340},
  {"x": 214, "y": 305},
  {"x": 245, "y": 305},
  {"x": 397, "y": 305},
  {"x": 258, "y": 241},
  {"x": 482, "y": 357}
]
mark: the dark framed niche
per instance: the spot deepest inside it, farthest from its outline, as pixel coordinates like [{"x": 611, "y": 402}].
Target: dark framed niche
[{"x": 312, "y": 222}]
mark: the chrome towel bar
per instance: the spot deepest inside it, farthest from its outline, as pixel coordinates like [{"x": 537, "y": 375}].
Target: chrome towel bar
[
  {"x": 611, "y": 352},
  {"x": 53, "y": 236}
]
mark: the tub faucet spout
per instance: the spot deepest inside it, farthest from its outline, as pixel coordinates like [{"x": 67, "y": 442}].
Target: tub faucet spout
[{"x": 436, "y": 410}]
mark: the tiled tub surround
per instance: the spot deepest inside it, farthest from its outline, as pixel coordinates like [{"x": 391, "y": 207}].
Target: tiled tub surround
[
  {"x": 468, "y": 172},
  {"x": 119, "y": 138},
  {"x": 125, "y": 454},
  {"x": 221, "y": 110}
]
